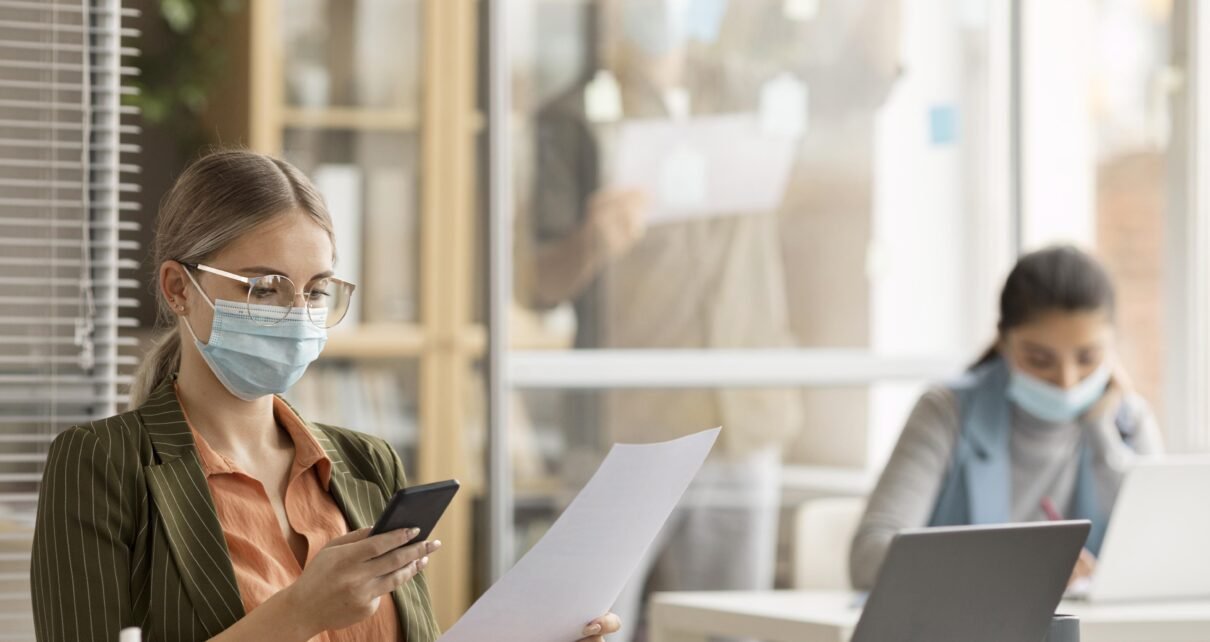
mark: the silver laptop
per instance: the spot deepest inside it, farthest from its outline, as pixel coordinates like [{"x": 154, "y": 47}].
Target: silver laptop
[
  {"x": 985, "y": 583},
  {"x": 1156, "y": 547}
]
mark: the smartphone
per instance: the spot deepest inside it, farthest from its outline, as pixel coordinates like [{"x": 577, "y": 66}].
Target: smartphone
[{"x": 417, "y": 507}]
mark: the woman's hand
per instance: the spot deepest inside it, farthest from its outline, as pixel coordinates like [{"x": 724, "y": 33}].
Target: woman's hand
[
  {"x": 1120, "y": 385},
  {"x": 1085, "y": 566},
  {"x": 596, "y": 630},
  {"x": 616, "y": 220},
  {"x": 343, "y": 584}
]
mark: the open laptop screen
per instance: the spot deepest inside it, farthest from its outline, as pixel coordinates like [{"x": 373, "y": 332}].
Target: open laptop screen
[{"x": 986, "y": 583}]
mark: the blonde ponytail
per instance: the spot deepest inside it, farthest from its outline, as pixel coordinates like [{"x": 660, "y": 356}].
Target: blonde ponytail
[
  {"x": 218, "y": 199},
  {"x": 159, "y": 363}
]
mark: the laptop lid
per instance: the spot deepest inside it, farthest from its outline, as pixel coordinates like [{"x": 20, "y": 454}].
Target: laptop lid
[
  {"x": 1156, "y": 546},
  {"x": 986, "y": 583}
]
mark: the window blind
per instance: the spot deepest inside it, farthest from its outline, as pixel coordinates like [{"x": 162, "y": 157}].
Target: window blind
[{"x": 64, "y": 285}]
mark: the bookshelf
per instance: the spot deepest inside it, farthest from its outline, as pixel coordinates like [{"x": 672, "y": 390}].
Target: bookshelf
[
  {"x": 373, "y": 120},
  {"x": 396, "y": 341},
  {"x": 384, "y": 90},
  {"x": 377, "y": 341}
]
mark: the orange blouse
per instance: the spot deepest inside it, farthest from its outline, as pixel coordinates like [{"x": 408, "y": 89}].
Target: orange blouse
[{"x": 263, "y": 561}]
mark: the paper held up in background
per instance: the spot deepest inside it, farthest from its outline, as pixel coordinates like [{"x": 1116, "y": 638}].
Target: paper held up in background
[
  {"x": 703, "y": 167},
  {"x": 576, "y": 572}
]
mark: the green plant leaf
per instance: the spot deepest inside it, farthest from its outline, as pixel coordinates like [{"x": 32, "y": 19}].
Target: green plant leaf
[
  {"x": 178, "y": 78},
  {"x": 179, "y": 14}
]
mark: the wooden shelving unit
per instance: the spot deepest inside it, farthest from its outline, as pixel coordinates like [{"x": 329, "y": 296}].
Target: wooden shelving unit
[
  {"x": 374, "y": 120},
  {"x": 376, "y": 341},
  {"x": 444, "y": 341},
  {"x": 397, "y": 341}
]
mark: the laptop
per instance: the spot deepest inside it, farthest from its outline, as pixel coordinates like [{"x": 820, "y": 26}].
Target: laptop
[
  {"x": 985, "y": 583},
  {"x": 1157, "y": 546}
]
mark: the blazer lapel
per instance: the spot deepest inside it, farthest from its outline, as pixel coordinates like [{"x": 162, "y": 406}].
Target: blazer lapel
[
  {"x": 989, "y": 470},
  {"x": 187, "y": 514},
  {"x": 361, "y": 501}
]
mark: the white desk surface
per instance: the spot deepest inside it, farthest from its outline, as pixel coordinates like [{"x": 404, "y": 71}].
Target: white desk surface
[{"x": 830, "y": 616}]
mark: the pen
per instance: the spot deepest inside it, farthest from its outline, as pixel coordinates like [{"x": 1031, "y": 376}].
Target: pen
[
  {"x": 1084, "y": 564},
  {"x": 1052, "y": 513}
]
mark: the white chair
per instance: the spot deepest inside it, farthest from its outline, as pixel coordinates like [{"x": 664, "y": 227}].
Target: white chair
[{"x": 823, "y": 531}]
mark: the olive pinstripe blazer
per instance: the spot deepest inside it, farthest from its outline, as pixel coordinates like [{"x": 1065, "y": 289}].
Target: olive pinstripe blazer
[{"x": 127, "y": 533}]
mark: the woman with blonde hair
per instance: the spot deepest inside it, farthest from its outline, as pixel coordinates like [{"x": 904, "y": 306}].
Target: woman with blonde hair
[{"x": 212, "y": 510}]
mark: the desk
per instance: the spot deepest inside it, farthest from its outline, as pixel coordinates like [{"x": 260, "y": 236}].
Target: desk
[{"x": 829, "y": 616}]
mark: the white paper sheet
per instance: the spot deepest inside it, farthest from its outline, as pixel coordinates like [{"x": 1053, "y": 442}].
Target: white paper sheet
[
  {"x": 703, "y": 167},
  {"x": 576, "y": 572}
]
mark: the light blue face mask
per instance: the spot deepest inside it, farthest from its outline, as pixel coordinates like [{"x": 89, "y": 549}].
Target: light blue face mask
[
  {"x": 253, "y": 360},
  {"x": 660, "y": 26},
  {"x": 704, "y": 19},
  {"x": 1052, "y": 403}
]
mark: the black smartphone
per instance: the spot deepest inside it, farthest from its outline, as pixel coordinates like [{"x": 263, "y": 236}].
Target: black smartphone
[{"x": 417, "y": 507}]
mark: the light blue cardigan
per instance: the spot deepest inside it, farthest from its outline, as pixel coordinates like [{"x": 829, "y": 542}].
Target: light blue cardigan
[{"x": 977, "y": 488}]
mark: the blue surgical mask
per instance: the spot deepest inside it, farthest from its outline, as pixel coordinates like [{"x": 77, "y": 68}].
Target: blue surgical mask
[
  {"x": 253, "y": 360},
  {"x": 1051, "y": 403},
  {"x": 704, "y": 19},
  {"x": 661, "y": 26}
]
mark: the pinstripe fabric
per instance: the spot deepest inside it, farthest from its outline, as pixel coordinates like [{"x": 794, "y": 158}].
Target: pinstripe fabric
[{"x": 127, "y": 533}]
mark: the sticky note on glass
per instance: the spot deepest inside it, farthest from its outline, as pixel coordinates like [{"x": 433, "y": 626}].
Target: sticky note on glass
[
  {"x": 784, "y": 106},
  {"x": 944, "y": 125},
  {"x": 603, "y": 98}
]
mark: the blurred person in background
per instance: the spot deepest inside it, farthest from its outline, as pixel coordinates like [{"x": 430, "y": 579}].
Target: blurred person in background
[
  {"x": 1045, "y": 424},
  {"x": 710, "y": 282},
  {"x": 698, "y": 283},
  {"x": 718, "y": 282}
]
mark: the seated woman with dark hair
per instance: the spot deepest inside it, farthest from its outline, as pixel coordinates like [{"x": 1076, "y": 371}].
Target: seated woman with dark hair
[{"x": 1044, "y": 424}]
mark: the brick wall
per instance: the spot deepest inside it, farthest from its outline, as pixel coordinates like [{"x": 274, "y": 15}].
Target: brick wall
[{"x": 1131, "y": 198}]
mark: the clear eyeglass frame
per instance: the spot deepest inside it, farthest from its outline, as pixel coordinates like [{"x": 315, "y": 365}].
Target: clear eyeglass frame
[{"x": 271, "y": 297}]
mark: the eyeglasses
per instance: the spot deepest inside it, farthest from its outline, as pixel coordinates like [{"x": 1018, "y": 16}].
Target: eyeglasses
[{"x": 271, "y": 297}]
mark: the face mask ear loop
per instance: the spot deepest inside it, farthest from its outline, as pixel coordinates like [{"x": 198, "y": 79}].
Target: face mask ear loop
[
  {"x": 199, "y": 288},
  {"x": 189, "y": 326}
]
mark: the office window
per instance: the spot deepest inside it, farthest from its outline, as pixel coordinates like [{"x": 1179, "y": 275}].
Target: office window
[
  {"x": 560, "y": 436},
  {"x": 805, "y": 178},
  {"x": 1098, "y": 125},
  {"x": 824, "y": 176},
  {"x": 790, "y": 213},
  {"x": 63, "y": 296}
]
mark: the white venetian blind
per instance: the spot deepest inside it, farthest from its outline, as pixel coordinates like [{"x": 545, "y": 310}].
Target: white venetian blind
[{"x": 63, "y": 284}]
